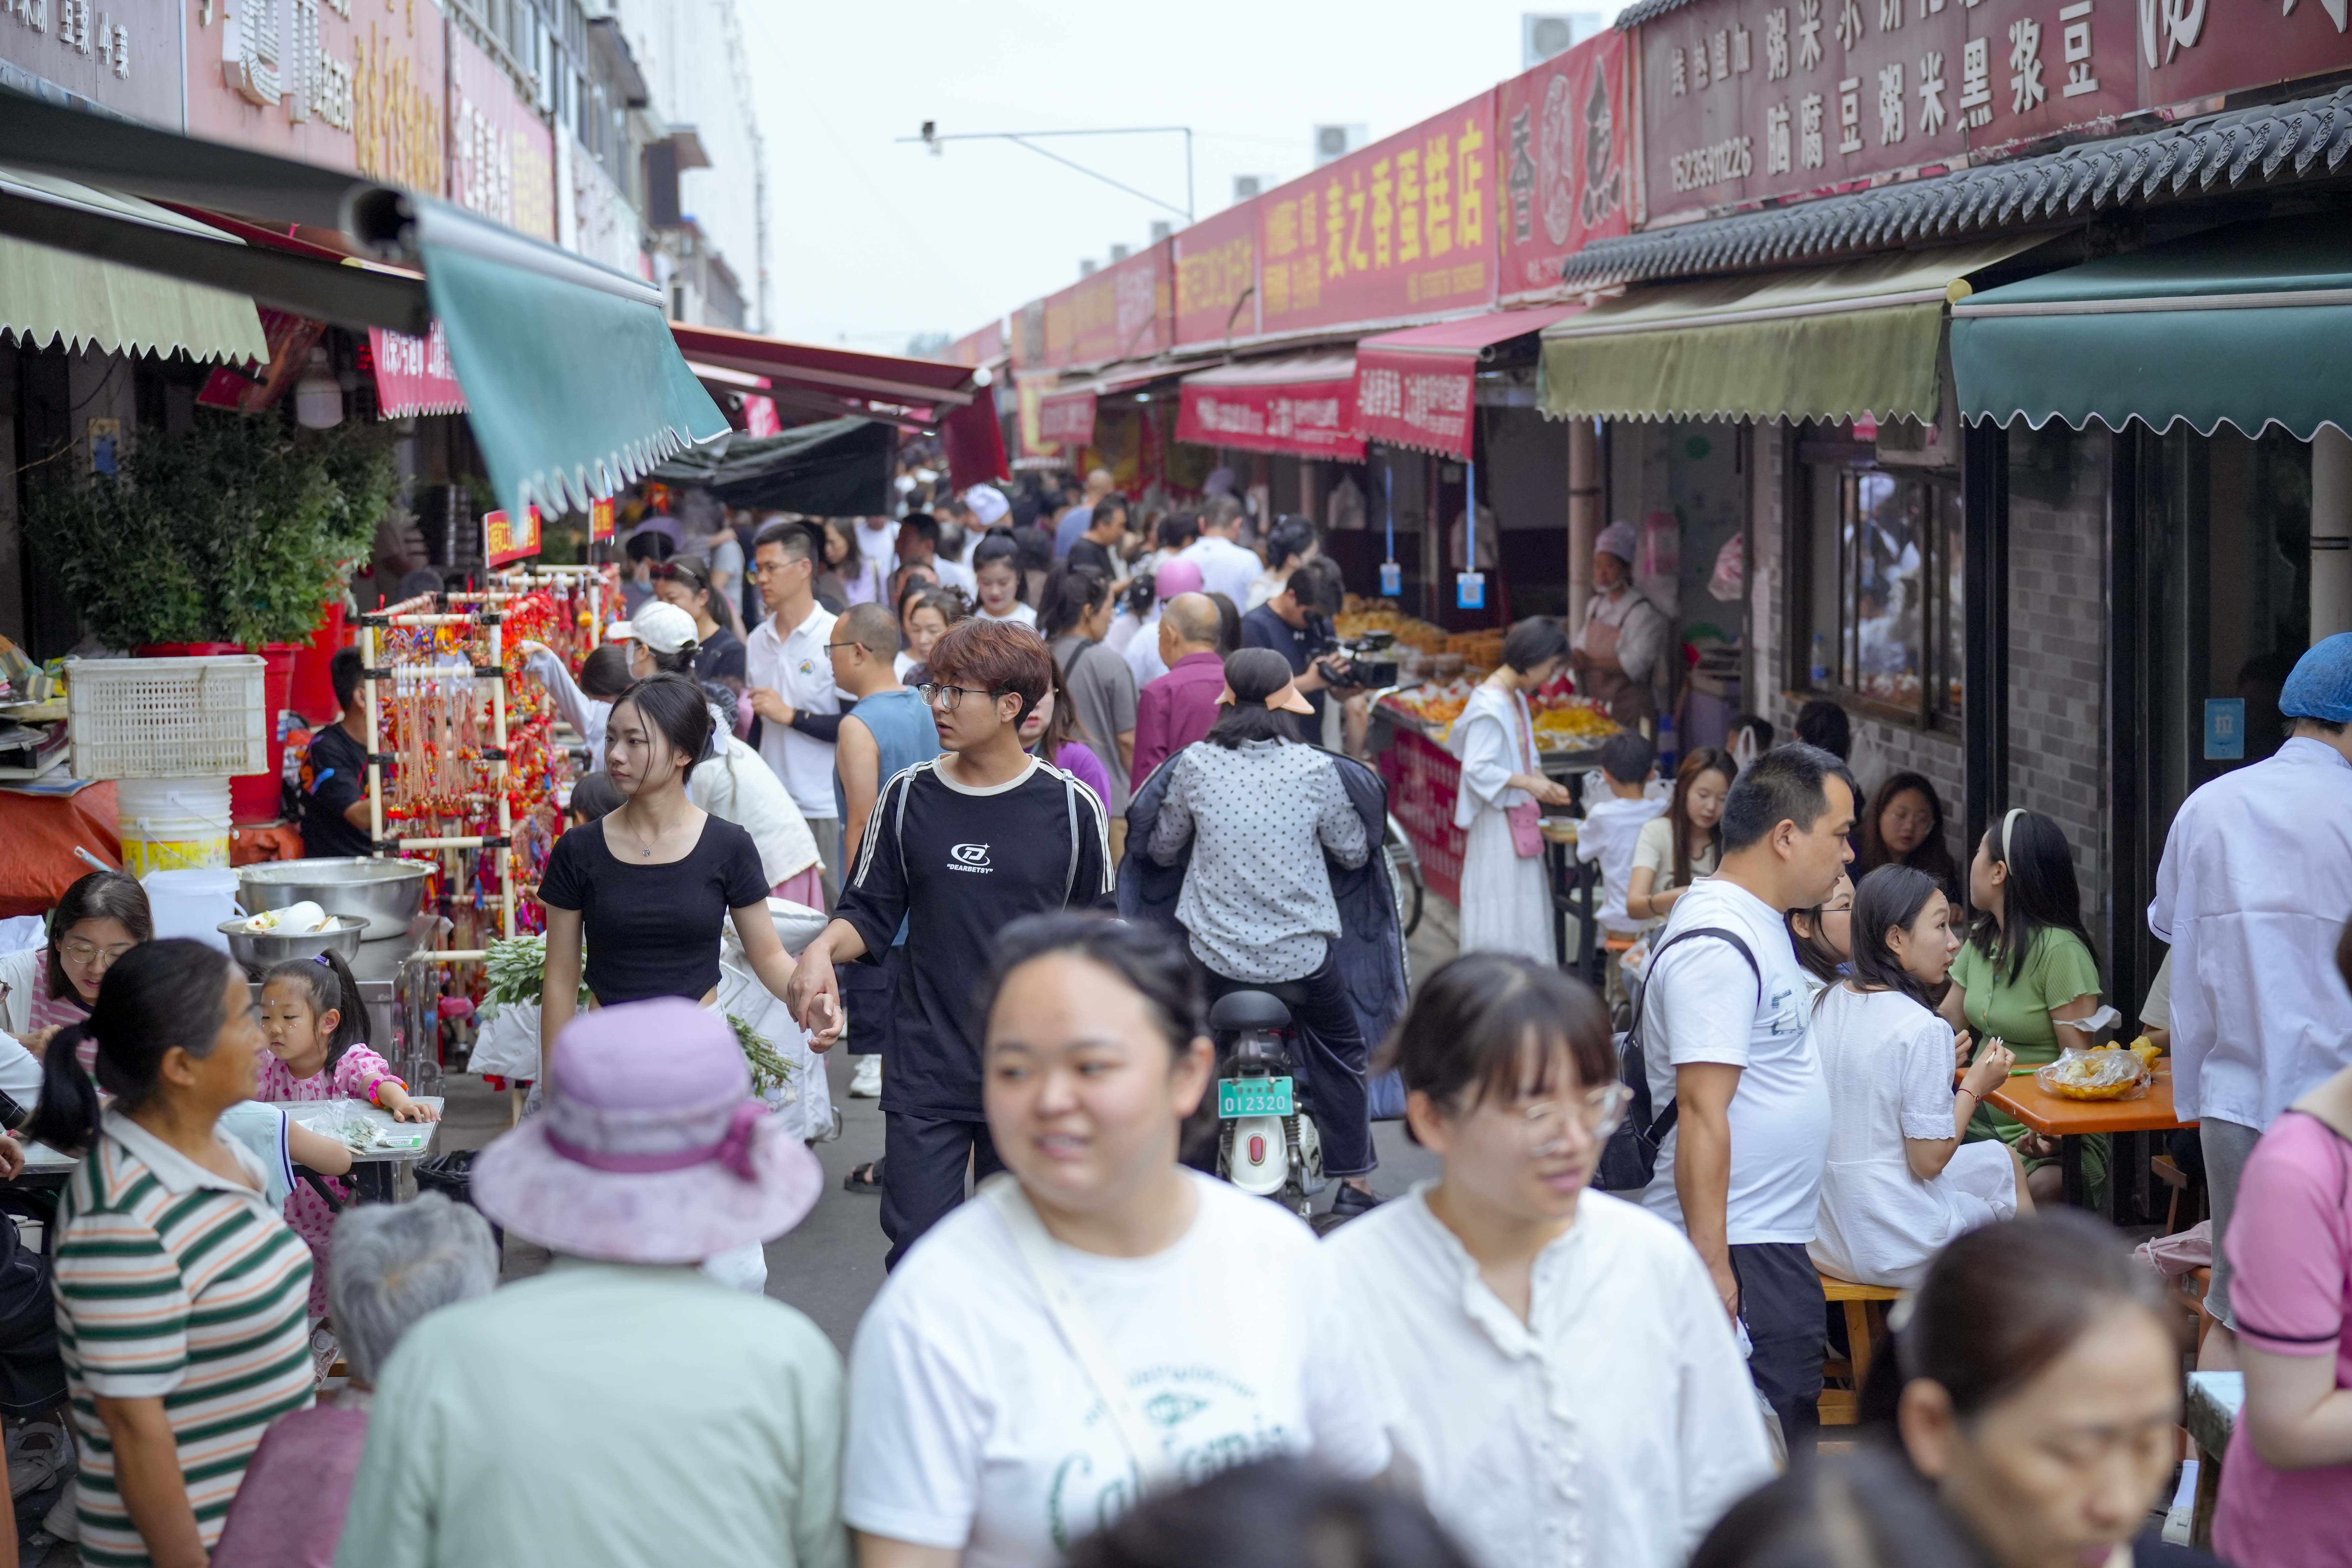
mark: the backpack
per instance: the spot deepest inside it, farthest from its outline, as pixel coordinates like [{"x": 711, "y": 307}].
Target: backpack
[{"x": 1630, "y": 1161}]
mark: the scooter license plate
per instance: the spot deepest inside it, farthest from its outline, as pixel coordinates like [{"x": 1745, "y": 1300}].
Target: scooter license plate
[{"x": 1252, "y": 1097}]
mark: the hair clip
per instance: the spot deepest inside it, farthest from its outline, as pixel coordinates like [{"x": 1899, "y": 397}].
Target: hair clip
[{"x": 321, "y": 958}]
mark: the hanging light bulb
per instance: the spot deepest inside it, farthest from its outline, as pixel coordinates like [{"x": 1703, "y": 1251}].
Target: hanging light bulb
[{"x": 318, "y": 396}]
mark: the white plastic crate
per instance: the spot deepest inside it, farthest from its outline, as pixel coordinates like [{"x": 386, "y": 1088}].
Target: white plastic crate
[{"x": 168, "y": 718}]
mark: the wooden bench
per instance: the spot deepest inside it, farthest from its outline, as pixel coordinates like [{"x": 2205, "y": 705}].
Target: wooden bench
[{"x": 1865, "y": 1318}]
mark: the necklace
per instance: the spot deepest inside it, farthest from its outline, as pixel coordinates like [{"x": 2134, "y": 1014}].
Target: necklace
[{"x": 647, "y": 845}]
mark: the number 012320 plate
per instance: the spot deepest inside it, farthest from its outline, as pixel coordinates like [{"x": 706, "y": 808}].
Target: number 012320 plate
[{"x": 1253, "y": 1096}]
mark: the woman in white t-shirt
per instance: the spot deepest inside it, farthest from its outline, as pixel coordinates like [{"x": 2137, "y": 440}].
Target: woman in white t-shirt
[
  {"x": 996, "y": 565},
  {"x": 1679, "y": 848},
  {"x": 1191, "y": 1327},
  {"x": 1569, "y": 1385},
  {"x": 1899, "y": 1183}
]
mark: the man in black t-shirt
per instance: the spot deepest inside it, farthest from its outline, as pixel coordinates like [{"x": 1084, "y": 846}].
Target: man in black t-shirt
[
  {"x": 959, "y": 847},
  {"x": 334, "y": 775},
  {"x": 1098, "y": 546}
]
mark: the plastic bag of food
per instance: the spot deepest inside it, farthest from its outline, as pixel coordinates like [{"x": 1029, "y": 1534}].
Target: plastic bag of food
[{"x": 2094, "y": 1075}]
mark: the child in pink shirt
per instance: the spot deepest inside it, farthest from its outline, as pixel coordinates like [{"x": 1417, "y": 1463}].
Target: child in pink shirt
[{"x": 312, "y": 1015}]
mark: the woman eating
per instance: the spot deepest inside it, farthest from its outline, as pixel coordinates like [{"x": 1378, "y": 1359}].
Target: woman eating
[
  {"x": 100, "y": 919},
  {"x": 2036, "y": 1386},
  {"x": 996, "y": 565},
  {"x": 2025, "y": 969},
  {"x": 1505, "y": 896},
  {"x": 1899, "y": 1183},
  {"x": 649, "y": 886},
  {"x": 978, "y": 1434},
  {"x": 1905, "y": 827},
  {"x": 1567, "y": 1378},
  {"x": 718, "y": 654},
  {"x": 1679, "y": 848},
  {"x": 180, "y": 1293}
]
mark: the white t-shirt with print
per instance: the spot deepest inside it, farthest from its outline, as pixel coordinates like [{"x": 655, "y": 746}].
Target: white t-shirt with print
[
  {"x": 1702, "y": 1003},
  {"x": 971, "y": 1428},
  {"x": 1022, "y": 615}
]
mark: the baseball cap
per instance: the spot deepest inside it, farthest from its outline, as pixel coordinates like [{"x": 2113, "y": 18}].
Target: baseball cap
[{"x": 660, "y": 626}]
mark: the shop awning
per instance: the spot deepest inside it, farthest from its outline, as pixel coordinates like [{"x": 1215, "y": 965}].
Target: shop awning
[
  {"x": 837, "y": 467},
  {"x": 1835, "y": 343},
  {"x": 1415, "y": 388},
  {"x": 1300, "y": 407},
  {"x": 575, "y": 382},
  {"x": 819, "y": 380},
  {"x": 2248, "y": 324},
  {"x": 54, "y": 296}
]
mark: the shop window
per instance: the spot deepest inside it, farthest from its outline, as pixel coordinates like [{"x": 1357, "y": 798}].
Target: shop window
[{"x": 1875, "y": 590}]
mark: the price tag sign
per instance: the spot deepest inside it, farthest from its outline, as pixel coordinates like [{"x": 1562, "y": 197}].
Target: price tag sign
[
  {"x": 1391, "y": 580},
  {"x": 1470, "y": 590},
  {"x": 505, "y": 540}
]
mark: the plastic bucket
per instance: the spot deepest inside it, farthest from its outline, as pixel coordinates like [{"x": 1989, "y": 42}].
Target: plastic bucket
[
  {"x": 313, "y": 691},
  {"x": 172, "y": 825},
  {"x": 191, "y": 902}
]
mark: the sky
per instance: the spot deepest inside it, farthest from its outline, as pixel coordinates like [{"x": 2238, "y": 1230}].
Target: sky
[{"x": 871, "y": 242}]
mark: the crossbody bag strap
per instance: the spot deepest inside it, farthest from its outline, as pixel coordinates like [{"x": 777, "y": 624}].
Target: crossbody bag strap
[
  {"x": 1078, "y": 1328},
  {"x": 1663, "y": 1121}
]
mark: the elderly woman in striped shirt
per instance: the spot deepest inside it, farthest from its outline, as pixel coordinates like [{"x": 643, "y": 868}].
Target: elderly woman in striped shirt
[{"x": 180, "y": 1293}]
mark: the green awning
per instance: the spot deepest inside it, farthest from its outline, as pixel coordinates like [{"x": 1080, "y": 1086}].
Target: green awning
[
  {"x": 1831, "y": 343},
  {"x": 2248, "y": 324},
  {"x": 53, "y": 296},
  {"x": 835, "y": 468}
]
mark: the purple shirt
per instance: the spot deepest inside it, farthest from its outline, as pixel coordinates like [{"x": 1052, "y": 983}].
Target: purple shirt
[
  {"x": 288, "y": 1512},
  {"x": 1175, "y": 711},
  {"x": 1077, "y": 758}
]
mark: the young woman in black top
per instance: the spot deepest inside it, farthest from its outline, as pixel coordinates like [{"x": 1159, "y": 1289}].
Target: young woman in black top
[{"x": 649, "y": 886}]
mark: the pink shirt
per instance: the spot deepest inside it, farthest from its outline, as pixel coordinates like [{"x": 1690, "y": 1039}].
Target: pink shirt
[
  {"x": 1176, "y": 709},
  {"x": 290, "y": 1510},
  {"x": 2290, "y": 1247},
  {"x": 355, "y": 1077}
]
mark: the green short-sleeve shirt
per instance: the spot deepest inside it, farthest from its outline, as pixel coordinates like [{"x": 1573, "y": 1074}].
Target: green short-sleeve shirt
[{"x": 2058, "y": 969}]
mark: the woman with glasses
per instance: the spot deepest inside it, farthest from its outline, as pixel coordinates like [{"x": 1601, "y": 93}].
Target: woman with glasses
[
  {"x": 1899, "y": 1183},
  {"x": 45, "y": 988},
  {"x": 1567, "y": 1385}
]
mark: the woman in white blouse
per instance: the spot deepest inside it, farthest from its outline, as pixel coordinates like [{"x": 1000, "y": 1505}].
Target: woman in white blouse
[
  {"x": 1899, "y": 1183},
  {"x": 1569, "y": 1388},
  {"x": 1506, "y": 897}
]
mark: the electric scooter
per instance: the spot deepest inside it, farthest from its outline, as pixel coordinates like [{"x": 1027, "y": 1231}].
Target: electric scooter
[{"x": 1265, "y": 1145}]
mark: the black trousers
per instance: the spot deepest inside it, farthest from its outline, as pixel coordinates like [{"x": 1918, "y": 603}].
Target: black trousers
[
  {"x": 869, "y": 999},
  {"x": 924, "y": 1159},
  {"x": 1333, "y": 1044},
  {"x": 1780, "y": 1301}
]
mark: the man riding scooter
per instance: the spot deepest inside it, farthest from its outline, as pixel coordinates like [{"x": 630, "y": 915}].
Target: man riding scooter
[{"x": 1262, "y": 849}]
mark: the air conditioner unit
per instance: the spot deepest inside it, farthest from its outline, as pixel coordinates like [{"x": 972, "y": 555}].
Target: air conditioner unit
[
  {"x": 1160, "y": 229},
  {"x": 1245, "y": 186},
  {"x": 1119, "y": 253},
  {"x": 1333, "y": 141},
  {"x": 1087, "y": 267},
  {"x": 1543, "y": 34}
]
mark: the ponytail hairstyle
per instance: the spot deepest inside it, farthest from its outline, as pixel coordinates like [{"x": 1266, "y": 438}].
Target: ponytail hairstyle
[
  {"x": 328, "y": 984},
  {"x": 159, "y": 995},
  {"x": 2041, "y": 894}
]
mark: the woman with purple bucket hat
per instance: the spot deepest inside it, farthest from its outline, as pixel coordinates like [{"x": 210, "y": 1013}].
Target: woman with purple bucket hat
[{"x": 494, "y": 1436}]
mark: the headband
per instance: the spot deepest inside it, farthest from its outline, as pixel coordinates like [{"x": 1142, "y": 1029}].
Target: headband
[{"x": 2008, "y": 823}]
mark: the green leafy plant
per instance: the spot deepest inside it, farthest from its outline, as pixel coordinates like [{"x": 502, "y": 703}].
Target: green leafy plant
[
  {"x": 236, "y": 530},
  {"x": 517, "y": 970},
  {"x": 768, "y": 1071}
]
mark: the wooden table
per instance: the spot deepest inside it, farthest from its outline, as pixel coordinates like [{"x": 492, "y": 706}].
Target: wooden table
[{"x": 2069, "y": 1121}]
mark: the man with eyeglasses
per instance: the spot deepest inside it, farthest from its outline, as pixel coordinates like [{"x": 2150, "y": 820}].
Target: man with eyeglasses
[
  {"x": 956, "y": 848},
  {"x": 789, "y": 678}
]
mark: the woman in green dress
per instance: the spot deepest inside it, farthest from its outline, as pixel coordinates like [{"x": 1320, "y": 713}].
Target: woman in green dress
[{"x": 2026, "y": 969}]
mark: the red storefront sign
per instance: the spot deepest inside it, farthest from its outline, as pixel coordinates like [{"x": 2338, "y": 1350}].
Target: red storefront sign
[
  {"x": 350, "y": 87},
  {"x": 1304, "y": 408},
  {"x": 1398, "y": 230},
  {"x": 759, "y": 417},
  {"x": 985, "y": 346},
  {"x": 600, "y": 519},
  {"x": 1067, "y": 418},
  {"x": 1216, "y": 277},
  {"x": 1424, "y": 780},
  {"x": 509, "y": 541},
  {"x": 1121, "y": 312},
  {"x": 412, "y": 375},
  {"x": 1416, "y": 388},
  {"x": 1564, "y": 163},
  {"x": 501, "y": 154}
]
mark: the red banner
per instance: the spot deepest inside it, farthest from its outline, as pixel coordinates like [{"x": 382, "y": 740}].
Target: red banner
[
  {"x": 1304, "y": 408},
  {"x": 1216, "y": 277},
  {"x": 506, "y": 541},
  {"x": 1564, "y": 168},
  {"x": 1425, "y": 780},
  {"x": 600, "y": 519},
  {"x": 759, "y": 417},
  {"x": 1121, "y": 312},
  {"x": 1417, "y": 388},
  {"x": 1067, "y": 419},
  {"x": 985, "y": 346},
  {"x": 1399, "y": 230},
  {"x": 412, "y": 375}
]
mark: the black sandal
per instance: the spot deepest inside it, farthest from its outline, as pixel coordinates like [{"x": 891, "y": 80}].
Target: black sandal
[{"x": 866, "y": 1179}]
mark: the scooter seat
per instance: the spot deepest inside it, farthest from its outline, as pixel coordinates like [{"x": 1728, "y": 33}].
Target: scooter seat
[{"x": 1241, "y": 1010}]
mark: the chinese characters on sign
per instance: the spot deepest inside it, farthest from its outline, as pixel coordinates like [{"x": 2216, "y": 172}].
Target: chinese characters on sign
[
  {"x": 501, "y": 154},
  {"x": 509, "y": 541},
  {"x": 1121, "y": 312},
  {"x": 1303, "y": 418},
  {"x": 1563, "y": 169},
  {"x": 412, "y": 375},
  {"x": 1216, "y": 277},
  {"x": 121, "y": 54},
  {"x": 323, "y": 82}
]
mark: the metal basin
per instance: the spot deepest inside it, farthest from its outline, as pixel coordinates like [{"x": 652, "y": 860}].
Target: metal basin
[
  {"x": 386, "y": 894},
  {"x": 259, "y": 950}
]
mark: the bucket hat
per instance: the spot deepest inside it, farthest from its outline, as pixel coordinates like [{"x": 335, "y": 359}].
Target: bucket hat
[{"x": 650, "y": 1148}]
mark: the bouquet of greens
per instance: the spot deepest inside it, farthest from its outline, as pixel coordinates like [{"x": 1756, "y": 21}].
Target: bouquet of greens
[
  {"x": 517, "y": 966},
  {"x": 768, "y": 1071}
]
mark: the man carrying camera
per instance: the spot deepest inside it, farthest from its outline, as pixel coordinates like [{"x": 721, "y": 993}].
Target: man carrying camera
[{"x": 1296, "y": 624}]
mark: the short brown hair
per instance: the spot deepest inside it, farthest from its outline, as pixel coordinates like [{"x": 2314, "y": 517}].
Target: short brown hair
[{"x": 996, "y": 656}]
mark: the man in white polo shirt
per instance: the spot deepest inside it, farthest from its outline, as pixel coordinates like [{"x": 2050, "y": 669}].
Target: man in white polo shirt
[
  {"x": 1225, "y": 567},
  {"x": 788, "y": 676}
]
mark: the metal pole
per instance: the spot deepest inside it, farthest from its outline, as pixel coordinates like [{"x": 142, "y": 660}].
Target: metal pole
[
  {"x": 499, "y": 778},
  {"x": 375, "y": 743},
  {"x": 1188, "y": 176}
]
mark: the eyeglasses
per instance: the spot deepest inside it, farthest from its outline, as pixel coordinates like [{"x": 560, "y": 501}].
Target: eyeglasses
[
  {"x": 1544, "y": 1123},
  {"x": 89, "y": 953},
  {"x": 761, "y": 568},
  {"x": 948, "y": 698},
  {"x": 832, "y": 645}
]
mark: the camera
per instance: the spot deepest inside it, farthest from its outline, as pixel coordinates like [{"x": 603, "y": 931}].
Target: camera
[{"x": 1367, "y": 661}]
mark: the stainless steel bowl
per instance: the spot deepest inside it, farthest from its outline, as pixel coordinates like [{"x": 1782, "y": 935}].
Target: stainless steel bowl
[
  {"x": 386, "y": 894},
  {"x": 258, "y": 950}
]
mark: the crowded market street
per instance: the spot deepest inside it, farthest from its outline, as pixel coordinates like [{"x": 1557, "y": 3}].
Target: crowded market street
[{"x": 1053, "y": 789}]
